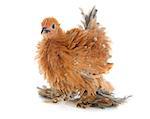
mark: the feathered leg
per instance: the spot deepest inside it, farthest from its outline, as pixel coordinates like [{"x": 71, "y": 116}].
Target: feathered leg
[
  {"x": 50, "y": 94},
  {"x": 102, "y": 99}
]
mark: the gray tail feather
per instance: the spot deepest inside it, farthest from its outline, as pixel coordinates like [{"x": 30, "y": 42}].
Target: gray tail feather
[{"x": 88, "y": 18}]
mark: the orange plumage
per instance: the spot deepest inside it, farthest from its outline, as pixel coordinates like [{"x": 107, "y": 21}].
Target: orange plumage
[{"x": 74, "y": 62}]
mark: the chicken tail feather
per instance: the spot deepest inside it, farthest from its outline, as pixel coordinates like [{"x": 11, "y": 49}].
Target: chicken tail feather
[{"x": 89, "y": 20}]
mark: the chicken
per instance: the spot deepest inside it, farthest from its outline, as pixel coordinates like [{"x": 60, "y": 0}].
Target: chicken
[{"x": 74, "y": 62}]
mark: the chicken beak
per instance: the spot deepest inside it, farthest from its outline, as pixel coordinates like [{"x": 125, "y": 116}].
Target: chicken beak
[{"x": 44, "y": 29}]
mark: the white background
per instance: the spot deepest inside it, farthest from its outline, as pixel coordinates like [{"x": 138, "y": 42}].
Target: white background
[{"x": 127, "y": 24}]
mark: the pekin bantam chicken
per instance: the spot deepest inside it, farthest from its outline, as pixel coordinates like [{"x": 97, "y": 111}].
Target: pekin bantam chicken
[{"x": 74, "y": 62}]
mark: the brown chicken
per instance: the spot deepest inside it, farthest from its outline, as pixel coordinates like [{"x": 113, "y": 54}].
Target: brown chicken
[{"x": 74, "y": 62}]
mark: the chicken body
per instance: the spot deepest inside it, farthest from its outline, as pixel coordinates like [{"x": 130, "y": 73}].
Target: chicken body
[{"x": 74, "y": 62}]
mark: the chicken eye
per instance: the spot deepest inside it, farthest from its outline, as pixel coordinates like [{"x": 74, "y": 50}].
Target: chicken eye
[{"x": 53, "y": 26}]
